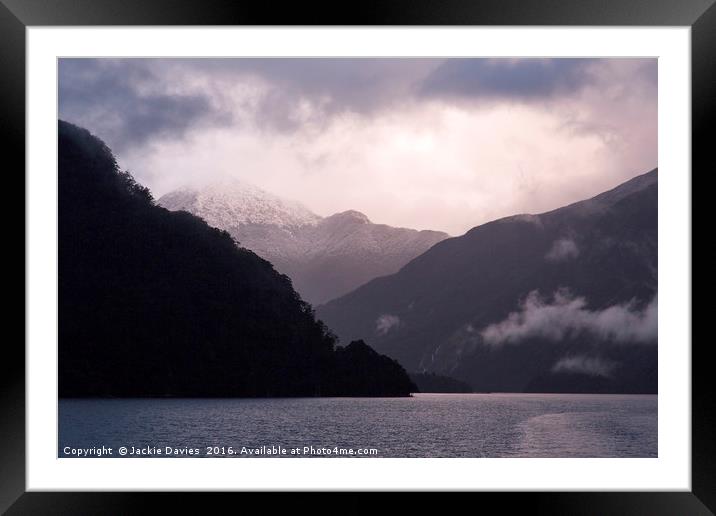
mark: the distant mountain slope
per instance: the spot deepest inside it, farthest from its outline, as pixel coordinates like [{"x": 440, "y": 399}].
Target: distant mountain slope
[
  {"x": 158, "y": 303},
  {"x": 565, "y": 300},
  {"x": 325, "y": 257}
]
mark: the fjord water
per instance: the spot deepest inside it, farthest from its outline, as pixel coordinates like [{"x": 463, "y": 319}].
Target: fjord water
[{"x": 426, "y": 425}]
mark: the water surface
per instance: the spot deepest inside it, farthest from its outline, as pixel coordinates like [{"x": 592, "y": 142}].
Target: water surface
[{"x": 426, "y": 425}]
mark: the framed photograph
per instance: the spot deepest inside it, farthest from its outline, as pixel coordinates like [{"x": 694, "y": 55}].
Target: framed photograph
[{"x": 425, "y": 247}]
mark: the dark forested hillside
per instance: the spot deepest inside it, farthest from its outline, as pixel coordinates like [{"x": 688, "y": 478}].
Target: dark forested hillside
[{"x": 158, "y": 303}]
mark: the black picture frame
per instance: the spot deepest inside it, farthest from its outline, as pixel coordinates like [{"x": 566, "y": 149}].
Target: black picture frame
[{"x": 17, "y": 15}]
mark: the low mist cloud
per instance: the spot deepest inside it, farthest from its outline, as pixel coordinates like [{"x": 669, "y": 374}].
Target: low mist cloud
[
  {"x": 592, "y": 366},
  {"x": 562, "y": 250},
  {"x": 385, "y": 323},
  {"x": 566, "y": 316}
]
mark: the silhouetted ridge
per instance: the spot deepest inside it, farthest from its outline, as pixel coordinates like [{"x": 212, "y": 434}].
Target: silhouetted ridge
[{"x": 158, "y": 303}]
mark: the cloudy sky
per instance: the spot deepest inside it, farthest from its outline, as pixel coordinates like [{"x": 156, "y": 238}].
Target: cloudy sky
[{"x": 441, "y": 144}]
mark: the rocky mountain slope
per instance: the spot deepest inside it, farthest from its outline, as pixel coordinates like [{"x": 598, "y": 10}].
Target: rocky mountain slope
[{"x": 561, "y": 301}]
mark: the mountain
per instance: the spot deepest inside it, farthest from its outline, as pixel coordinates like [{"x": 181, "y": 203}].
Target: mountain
[
  {"x": 232, "y": 203},
  {"x": 557, "y": 302},
  {"x": 324, "y": 257},
  {"x": 159, "y": 303}
]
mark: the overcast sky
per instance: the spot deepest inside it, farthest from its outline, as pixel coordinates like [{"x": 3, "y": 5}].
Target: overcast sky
[{"x": 441, "y": 144}]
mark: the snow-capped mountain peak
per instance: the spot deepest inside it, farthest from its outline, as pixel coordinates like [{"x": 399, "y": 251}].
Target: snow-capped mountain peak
[
  {"x": 233, "y": 203},
  {"x": 349, "y": 216}
]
